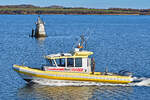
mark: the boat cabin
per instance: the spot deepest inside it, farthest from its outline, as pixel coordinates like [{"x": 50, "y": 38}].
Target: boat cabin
[{"x": 78, "y": 61}]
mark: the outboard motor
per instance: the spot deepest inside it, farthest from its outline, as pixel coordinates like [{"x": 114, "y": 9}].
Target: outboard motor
[{"x": 125, "y": 73}]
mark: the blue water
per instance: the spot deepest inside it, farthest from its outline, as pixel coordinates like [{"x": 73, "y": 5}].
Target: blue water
[{"x": 118, "y": 42}]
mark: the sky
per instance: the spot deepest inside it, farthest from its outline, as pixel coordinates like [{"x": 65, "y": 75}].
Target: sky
[{"x": 140, "y": 4}]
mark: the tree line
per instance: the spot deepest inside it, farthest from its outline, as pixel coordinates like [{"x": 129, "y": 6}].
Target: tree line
[{"x": 31, "y": 9}]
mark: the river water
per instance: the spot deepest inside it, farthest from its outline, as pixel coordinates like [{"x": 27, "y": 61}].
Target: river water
[{"x": 118, "y": 42}]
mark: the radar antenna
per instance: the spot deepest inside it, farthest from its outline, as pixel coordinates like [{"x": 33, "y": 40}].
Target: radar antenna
[{"x": 81, "y": 43}]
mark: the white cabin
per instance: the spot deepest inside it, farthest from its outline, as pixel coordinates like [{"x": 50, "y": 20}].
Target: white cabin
[{"x": 77, "y": 61}]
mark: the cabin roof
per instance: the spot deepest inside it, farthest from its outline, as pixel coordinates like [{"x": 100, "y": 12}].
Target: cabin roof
[{"x": 77, "y": 54}]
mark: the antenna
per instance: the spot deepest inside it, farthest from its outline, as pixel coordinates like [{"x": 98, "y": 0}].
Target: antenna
[
  {"x": 75, "y": 44},
  {"x": 82, "y": 42}
]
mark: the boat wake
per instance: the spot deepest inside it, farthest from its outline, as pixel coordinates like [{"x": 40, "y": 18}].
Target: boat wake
[
  {"x": 138, "y": 82},
  {"x": 141, "y": 82}
]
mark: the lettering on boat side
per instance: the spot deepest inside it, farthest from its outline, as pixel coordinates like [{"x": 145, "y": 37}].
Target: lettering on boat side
[
  {"x": 77, "y": 69},
  {"x": 62, "y": 69}
]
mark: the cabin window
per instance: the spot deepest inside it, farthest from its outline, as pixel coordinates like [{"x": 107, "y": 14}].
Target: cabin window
[
  {"x": 60, "y": 62},
  {"x": 70, "y": 62},
  {"x": 50, "y": 63},
  {"x": 78, "y": 62}
]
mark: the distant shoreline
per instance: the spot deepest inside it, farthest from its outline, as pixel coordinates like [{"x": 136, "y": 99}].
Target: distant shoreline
[{"x": 34, "y": 10}]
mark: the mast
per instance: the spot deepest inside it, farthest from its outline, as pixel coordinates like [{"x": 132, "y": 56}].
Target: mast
[{"x": 80, "y": 44}]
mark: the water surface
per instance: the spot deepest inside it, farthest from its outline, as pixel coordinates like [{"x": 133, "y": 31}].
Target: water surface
[{"x": 118, "y": 42}]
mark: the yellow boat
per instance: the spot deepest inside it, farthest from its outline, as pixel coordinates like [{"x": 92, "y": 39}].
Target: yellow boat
[{"x": 73, "y": 66}]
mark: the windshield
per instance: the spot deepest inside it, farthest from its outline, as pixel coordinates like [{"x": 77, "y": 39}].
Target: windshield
[
  {"x": 50, "y": 63},
  {"x": 60, "y": 62},
  {"x": 65, "y": 62}
]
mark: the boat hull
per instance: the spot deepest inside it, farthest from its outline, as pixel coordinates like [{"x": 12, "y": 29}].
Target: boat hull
[{"x": 29, "y": 73}]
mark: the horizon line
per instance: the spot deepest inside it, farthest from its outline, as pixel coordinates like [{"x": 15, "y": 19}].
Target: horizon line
[{"x": 69, "y": 6}]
